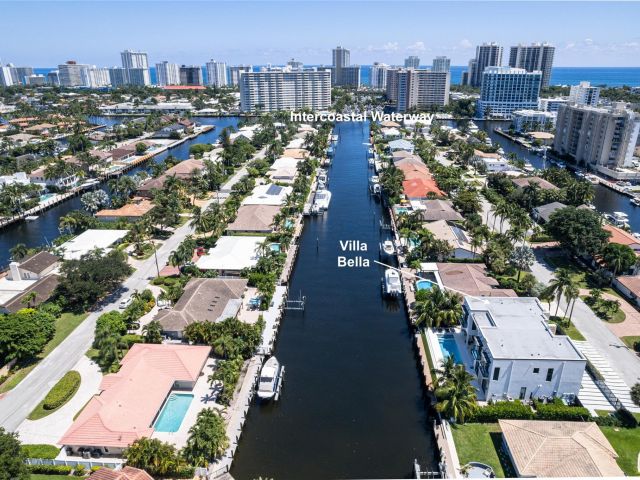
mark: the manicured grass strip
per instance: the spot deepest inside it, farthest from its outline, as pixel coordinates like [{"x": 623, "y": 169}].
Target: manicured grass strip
[
  {"x": 60, "y": 394},
  {"x": 64, "y": 326},
  {"x": 42, "y": 476},
  {"x": 482, "y": 442},
  {"x": 630, "y": 340},
  {"x": 626, "y": 443},
  {"x": 40, "y": 450}
]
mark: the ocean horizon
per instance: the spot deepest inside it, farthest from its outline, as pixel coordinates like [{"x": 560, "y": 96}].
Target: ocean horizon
[{"x": 610, "y": 76}]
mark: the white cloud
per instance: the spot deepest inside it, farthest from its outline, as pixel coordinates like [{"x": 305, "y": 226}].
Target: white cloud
[
  {"x": 416, "y": 47},
  {"x": 465, "y": 43},
  {"x": 387, "y": 47}
]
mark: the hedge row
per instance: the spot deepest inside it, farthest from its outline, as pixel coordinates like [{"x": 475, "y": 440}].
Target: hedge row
[
  {"x": 516, "y": 410},
  {"x": 51, "y": 469},
  {"x": 62, "y": 391}
]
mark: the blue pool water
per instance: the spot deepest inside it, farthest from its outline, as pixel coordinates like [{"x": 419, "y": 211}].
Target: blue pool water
[
  {"x": 173, "y": 412},
  {"x": 47, "y": 196},
  {"x": 449, "y": 348},
  {"x": 275, "y": 247},
  {"x": 424, "y": 285}
]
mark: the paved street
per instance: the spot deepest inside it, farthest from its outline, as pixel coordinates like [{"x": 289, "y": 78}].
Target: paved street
[{"x": 21, "y": 400}]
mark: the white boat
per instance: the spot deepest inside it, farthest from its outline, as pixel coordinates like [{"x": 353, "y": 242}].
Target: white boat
[
  {"x": 334, "y": 138},
  {"x": 635, "y": 201},
  {"x": 528, "y": 167},
  {"x": 31, "y": 218},
  {"x": 375, "y": 188},
  {"x": 270, "y": 379},
  {"x": 636, "y": 234},
  {"x": 374, "y": 179},
  {"x": 322, "y": 199},
  {"x": 391, "y": 285},
  {"x": 372, "y": 162},
  {"x": 592, "y": 178},
  {"x": 387, "y": 248},
  {"x": 322, "y": 177}
]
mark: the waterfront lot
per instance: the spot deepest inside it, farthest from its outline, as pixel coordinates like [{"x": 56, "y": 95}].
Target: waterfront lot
[
  {"x": 482, "y": 442},
  {"x": 626, "y": 442}
]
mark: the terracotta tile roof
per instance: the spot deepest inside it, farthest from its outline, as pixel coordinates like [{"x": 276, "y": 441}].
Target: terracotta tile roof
[
  {"x": 254, "y": 218},
  {"x": 559, "y": 449},
  {"x": 135, "y": 209},
  {"x": 522, "y": 182},
  {"x": 624, "y": 238},
  {"x": 421, "y": 188},
  {"x": 130, "y": 399},
  {"x": 299, "y": 153},
  {"x": 126, "y": 473},
  {"x": 631, "y": 282},
  {"x": 472, "y": 279}
]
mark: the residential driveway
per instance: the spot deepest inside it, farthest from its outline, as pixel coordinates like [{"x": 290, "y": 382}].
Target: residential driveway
[
  {"x": 631, "y": 324},
  {"x": 51, "y": 428},
  {"x": 19, "y": 402}
]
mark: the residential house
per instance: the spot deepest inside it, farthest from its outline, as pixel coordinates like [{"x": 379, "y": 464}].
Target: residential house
[
  {"x": 516, "y": 353},
  {"x": 132, "y": 211},
  {"x": 129, "y": 401},
  {"x": 203, "y": 300},
  {"x": 284, "y": 170},
  {"x": 467, "y": 279},
  {"x": 33, "y": 277},
  {"x": 232, "y": 254},
  {"x": 492, "y": 162},
  {"x": 391, "y": 133},
  {"x": 22, "y": 139},
  {"x": 543, "y": 213},
  {"x": 90, "y": 240},
  {"x": 401, "y": 145},
  {"x": 433, "y": 210},
  {"x": 268, "y": 194},
  {"x": 254, "y": 219},
  {"x": 455, "y": 236},
  {"x": 125, "y": 473},
  {"x": 171, "y": 131},
  {"x": 183, "y": 170},
  {"x": 522, "y": 182},
  {"x": 558, "y": 449},
  {"x": 64, "y": 181}
]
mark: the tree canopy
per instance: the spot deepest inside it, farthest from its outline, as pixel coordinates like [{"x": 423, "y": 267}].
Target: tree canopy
[{"x": 578, "y": 230}]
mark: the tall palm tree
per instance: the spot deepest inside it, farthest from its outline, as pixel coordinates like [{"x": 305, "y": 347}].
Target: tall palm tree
[
  {"x": 18, "y": 251},
  {"x": 571, "y": 293},
  {"x": 562, "y": 279},
  {"x": 152, "y": 332},
  {"x": 438, "y": 307},
  {"x": 459, "y": 400}
]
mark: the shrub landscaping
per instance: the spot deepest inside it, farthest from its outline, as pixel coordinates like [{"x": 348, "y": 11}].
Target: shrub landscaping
[{"x": 60, "y": 394}]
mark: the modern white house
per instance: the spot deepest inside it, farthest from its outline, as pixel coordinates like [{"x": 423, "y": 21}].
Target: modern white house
[
  {"x": 493, "y": 162},
  {"x": 401, "y": 145},
  {"x": 515, "y": 353}
]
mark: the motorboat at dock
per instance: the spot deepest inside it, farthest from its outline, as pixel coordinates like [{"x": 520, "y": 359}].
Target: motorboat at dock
[
  {"x": 387, "y": 248},
  {"x": 270, "y": 381},
  {"x": 391, "y": 284}
]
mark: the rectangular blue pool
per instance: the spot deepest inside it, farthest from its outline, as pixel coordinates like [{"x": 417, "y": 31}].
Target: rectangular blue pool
[
  {"x": 173, "y": 412},
  {"x": 449, "y": 348},
  {"x": 424, "y": 285}
]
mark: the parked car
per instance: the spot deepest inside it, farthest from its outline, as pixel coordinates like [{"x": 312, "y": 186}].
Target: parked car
[{"x": 125, "y": 302}]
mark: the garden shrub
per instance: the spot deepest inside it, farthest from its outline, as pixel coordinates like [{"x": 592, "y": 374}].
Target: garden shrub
[
  {"x": 131, "y": 339},
  {"x": 559, "y": 411},
  {"x": 62, "y": 391},
  {"x": 51, "y": 469},
  {"x": 502, "y": 410}
]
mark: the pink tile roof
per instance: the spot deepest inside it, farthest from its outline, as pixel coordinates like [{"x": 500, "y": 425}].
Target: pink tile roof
[
  {"x": 127, "y": 473},
  {"x": 130, "y": 399}
]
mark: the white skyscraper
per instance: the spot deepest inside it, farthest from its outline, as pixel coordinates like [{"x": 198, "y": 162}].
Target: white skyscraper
[
  {"x": 534, "y": 57},
  {"x": 236, "y": 71},
  {"x": 273, "y": 91},
  {"x": 72, "y": 74},
  {"x": 584, "y": 94},
  {"x": 441, "y": 64},
  {"x": 131, "y": 59},
  {"x": 99, "y": 77},
  {"x": 378, "y": 75},
  {"x": 5, "y": 76},
  {"x": 409, "y": 88},
  {"x": 217, "y": 74},
  {"x": 412, "y": 62},
  {"x": 167, "y": 73},
  {"x": 505, "y": 89}
]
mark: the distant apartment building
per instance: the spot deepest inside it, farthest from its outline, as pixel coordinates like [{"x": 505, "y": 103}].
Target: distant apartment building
[
  {"x": 378, "y": 76},
  {"x": 551, "y": 104},
  {"x": 285, "y": 90},
  {"x": 19, "y": 74},
  {"x": 412, "y": 61},
  {"x": 191, "y": 75},
  {"x": 137, "y": 66},
  {"x": 487, "y": 55},
  {"x": 506, "y": 89},
  {"x": 441, "y": 64},
  {"x": 533, "y": 58},
  {"x": 35, "y": 80},
  {"x": 72, "y": 74},
  {"x": 584, "y": 94},
  {"x": 532, "y": 120},
  {"x": 167, "y": 73},
  {"x": 5, "y": 76},
  {"x": 408, "y": 88},
  {"x": 294, "y": 64},
  {"x": 99, "y": 77},
  {"x": 53, "y": 77},
  {"x": 217, "y": 74},
  {"x": 119, "y": 76},
  {"x": 601, "y": 138},
  {"x": 343, "y": 74},
  {"x": 235, "y": 72}
]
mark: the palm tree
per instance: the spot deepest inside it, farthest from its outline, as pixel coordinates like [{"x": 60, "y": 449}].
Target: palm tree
[
  {"x": 18, "y": 251},
  {"x": 438, "y": 307},
  {"x": 152, "y": 332},
  {"x": 29, "y": 298},
  {"x": 562, "y": 279},
  {"x": 207, "y": 439},
  {"x": 459, "y": 396},
  {"x": 571, "y": 293},
  {"x": 445, "y": 371}
]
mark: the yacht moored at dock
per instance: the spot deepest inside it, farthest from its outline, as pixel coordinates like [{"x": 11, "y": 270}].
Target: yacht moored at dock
[
  {"x": 387, "y": 248},
  {"x": 321, "y": 201},
  {"x": 391, "y": 285},
  {"x": 635, "y": 201},
  {"x": 270, "y": 381}
]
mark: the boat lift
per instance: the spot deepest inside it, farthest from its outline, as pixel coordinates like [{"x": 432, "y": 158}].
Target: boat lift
[{"x": 297, "y": 304}]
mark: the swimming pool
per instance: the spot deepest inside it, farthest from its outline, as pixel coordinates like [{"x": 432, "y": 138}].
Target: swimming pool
[
  {"x": 449, "y": 348},
  {"x": 173, "y": 412},
  {"x": 275, "y": 247},
  {"x": 46, "y": 196},
  {"x": 424, "y": 285}
]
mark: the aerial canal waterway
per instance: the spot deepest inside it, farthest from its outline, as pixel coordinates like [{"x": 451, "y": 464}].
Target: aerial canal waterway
[
  {"x": 45, "y": 229},
  {"x": 605, "y": 200},
  {"x": 352, "y": 405}
]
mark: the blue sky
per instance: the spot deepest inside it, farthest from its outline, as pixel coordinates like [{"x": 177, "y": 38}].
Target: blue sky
[{"x": 47, "y": 33}]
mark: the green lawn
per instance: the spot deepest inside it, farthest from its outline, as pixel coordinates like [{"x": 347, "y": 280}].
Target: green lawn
[
  {"x": 41, "y": 476},
  {"x": 67, "y": 386},
  {"x": 41, "y": 450},
  {"x": 64, "y": 326},
  {"x": 573, "y": 333},
  {"x": 626, "y": 442},
  {"x": 630, "y": 340},
  {"x": 482, "y": 442}
]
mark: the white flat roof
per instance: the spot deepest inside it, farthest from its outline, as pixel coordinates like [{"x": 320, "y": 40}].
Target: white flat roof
[
  {"x": 232, "y": 253},
  {"x": 269, "y": 194},
  {"x": 90, "y": 240}
]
